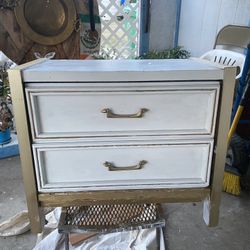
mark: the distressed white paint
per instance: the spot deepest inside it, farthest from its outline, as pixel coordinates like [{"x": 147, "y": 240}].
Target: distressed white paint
[
  {"x": 79, "y": 167},
  {"x": 58, "y": 113},
  {"x": 65, "y": 99},
  {"x": 201, "y": 20},
  {"x": 121, "y": 70}
]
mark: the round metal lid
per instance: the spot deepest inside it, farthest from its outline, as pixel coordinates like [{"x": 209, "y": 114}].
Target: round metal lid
[{"x": 46, "y": 22}]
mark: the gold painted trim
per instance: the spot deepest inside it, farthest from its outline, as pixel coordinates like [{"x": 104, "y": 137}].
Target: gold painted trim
[
  {"x": 24, "y": 142},
  {"x": 123, "y": 196},
  {"x": 212, "y": 203},
  {"x": 28, "y": 64},
  {"x": 110, "y": 114},
  {"x": 111, "y": 166}
]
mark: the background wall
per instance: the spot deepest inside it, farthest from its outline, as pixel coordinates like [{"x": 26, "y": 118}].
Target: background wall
[{"x": 200, "y": 20}]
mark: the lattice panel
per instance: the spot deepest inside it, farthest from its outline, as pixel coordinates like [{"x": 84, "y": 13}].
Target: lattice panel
[{"x": 120, "y": 22}]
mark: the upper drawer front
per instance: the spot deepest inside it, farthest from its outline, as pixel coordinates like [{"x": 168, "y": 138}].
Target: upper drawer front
[
  {"x": 78, "y": 167},
  {"x": 64, "y": 114}
]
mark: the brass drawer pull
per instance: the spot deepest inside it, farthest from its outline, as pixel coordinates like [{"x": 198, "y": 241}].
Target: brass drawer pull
[
  {"x": 112, "y": 167},
  {"x": 110, "y": 114}
]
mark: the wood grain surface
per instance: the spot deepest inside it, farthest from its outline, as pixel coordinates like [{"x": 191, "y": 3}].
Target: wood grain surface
[{"x": 20, "y": 49}]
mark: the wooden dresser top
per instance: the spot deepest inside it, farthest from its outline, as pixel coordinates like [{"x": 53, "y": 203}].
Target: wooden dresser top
[{"x": 121, "y": 70}]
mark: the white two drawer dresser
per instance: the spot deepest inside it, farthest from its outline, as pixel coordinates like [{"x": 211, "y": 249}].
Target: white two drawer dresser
[{"x": 134, "y": 131}]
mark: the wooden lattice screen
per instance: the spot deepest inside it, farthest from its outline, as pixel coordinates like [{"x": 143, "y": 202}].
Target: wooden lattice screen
[{"x": 120, "y": 23}]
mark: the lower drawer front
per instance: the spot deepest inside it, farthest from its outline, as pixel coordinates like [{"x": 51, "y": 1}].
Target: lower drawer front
[{"x": 83, "y": 167}]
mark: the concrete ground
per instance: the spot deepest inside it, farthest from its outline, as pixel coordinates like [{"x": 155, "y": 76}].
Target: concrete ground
[{"x": 185, "y": 228}]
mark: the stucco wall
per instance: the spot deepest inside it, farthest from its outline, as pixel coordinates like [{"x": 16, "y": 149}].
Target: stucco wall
[{"x": 162, "y": 25}]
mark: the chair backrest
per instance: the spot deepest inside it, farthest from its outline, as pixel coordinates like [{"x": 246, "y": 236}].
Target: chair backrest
[
  {"x": 233, "y": 35},
  {"x": 226, "y": 58},
  {"x": 230, "y": 36}
]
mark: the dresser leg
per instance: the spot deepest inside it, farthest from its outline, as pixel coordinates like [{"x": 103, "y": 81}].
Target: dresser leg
[
  {"x": 25, "y": 142},
  {"x": 37, "y": 221},
  {"x": 212, "y": 202},
  {"x": 211, "y": 212}
]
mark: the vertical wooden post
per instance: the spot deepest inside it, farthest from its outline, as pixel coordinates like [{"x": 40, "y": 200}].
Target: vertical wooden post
[
  {"x": 212, "y": 202},
  {"x": 24, "y": 142}
]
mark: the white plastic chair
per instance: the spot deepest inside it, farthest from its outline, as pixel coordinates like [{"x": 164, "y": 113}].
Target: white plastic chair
[
  {"x": 233, "y": 36},
  {"x": 226, "y": 58}
]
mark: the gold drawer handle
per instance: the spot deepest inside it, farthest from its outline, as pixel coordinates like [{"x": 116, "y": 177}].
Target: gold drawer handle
[
  {"x": 110, "y": 114},
  {"x": 112, "y": 167}
]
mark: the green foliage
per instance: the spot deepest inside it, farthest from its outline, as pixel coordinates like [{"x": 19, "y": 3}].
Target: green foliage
[
  {"x": 106, "y": 54},
  {"x": 6, "y": 116},
  {"x": 4, "y": 82},
  {"x": 174, "y": 53}
]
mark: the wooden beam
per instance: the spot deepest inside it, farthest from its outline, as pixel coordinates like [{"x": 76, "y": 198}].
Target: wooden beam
[
  {"x": 24, "y": 141},
  {"x": 212, "y": 203},
  {"x": 123, "y": 196}
]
